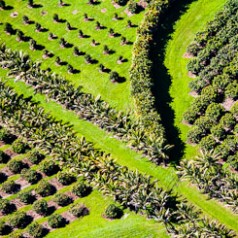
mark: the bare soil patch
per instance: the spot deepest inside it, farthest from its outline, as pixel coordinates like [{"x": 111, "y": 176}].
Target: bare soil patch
[
  {"x": 128, "y": 13},
  {"x": 193, "y": 94},
  {"x": 68, "y": 216},
  {"x": 43, "y": 13},
  {"x": 22, "y": 182},
  {"x": 188, "y": 55},
  {"x": 191, "y": 75},
  {"x": 47, "y": 226},
  {"x": 228, "y": 103},
  {"x": 142, "y": 3},
  {"x": 10, "y": 152},
  {"x": 116, "y": 5},
  {"x": 33, "y": 214},
  {"x": 2, "y": 143},
  {"x": 7, "y": 171},
  {"x": 14, "y": 14},
  {"x": 72, "y": 195},
  {"x": 18, "y": 203},
  {"x": 56, "y": 183},
  {"x": 53, "y": 204},
  {"x": 186, "y": 123},
  {"x": 103, "y": 10}
]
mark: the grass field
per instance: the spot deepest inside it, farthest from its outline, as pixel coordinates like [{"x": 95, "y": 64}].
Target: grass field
[{"x": 117, "y": 94}]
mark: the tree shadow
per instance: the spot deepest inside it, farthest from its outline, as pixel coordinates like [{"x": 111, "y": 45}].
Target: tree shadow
[
  {"x": 37, "y": 6},
  {"x": 39, "y": 47},
  {"x": 8, "y": 7},
  {"x": 162, "y": 79}
]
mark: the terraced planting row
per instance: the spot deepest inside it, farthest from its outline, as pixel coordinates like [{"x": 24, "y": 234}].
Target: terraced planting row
[
  {"x": 97, "y": 170},
  {"x": 33, "y": 179}
]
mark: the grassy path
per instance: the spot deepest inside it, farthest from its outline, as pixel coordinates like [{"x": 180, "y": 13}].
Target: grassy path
[{"x": 166, "y": 176}]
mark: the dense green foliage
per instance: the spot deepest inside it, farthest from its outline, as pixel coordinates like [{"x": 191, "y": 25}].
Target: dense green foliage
[
  {"x": 79, "y": 210},
  {"x": 112, "y": 212},
  {"x": 41, "y": 207},
  {"x": 213, "y": 112},
  {"x": 19, "y": 146},
  {"x": 63, "y": 199},
  {"x": 20, "y": 220},
  {"x": 36, "y": 230},
  {"x": 45, "y": 189},
  {"x": 133, "y": 131},
  {"x": 56, "y": 221},
  {"x": 215, "y": 66}
]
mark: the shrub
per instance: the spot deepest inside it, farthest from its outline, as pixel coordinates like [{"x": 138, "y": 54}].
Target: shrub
[
  {"x": 3, "y": 134},
  {"x": 112, "y": 212},
  {"x": 132, "y": 6},
  {"x": 218, "y": 131},
  {"x": 63, "y": 199},
  {"x": 10, "y": 187},
  {"x": 223, "y": 151},
  {"x": 45, "y": 189},
  {"x": 41, "y": 207},
  {"x": 66, "y": 178},
  {"x": 214, "y": 112},
  {"x": 228, "y": 121},
  {"x": 4, "y": 157},
  {"x": 196, "y": 134},
  {"x": 190, "y": 116},
  {"x": 232, "y": 90},
  {"x": 19, "y": 146},
  {"x": 4, "y": 228},
  {"x": 204, "y": 124},
  {"x": 193, "y": 49},
  {"x": 20, "y": 220},
  {"x": 26, "y": 197},
  {"x": 49, "y": 168},
  {"x": 6, "y": 207},
  {"x": 114, "y": 76},
  {"x": 234, "y": 110},
  {"x": 3, "y": 177},
  {"x": 36, "y": 230},
  {"x": 79, "y": 210},
  {"x": 208, "y": 143},
  {"x": 121, "y": 2},
  {"x": 16, "y": 166},
  {"x": 232, "y": 142},
  {"x": 35, "y": 157},
  {"x": 31, "y": 176},
  {"x": 81, "y": 189},
  {"x": 56, "y": 221}
]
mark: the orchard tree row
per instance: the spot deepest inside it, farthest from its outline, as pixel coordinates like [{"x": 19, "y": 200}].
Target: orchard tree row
[
  {"x": 137, "y": 192},
  {"x": 132, "y": 131},
  {"x": 214, "y": 111}
]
